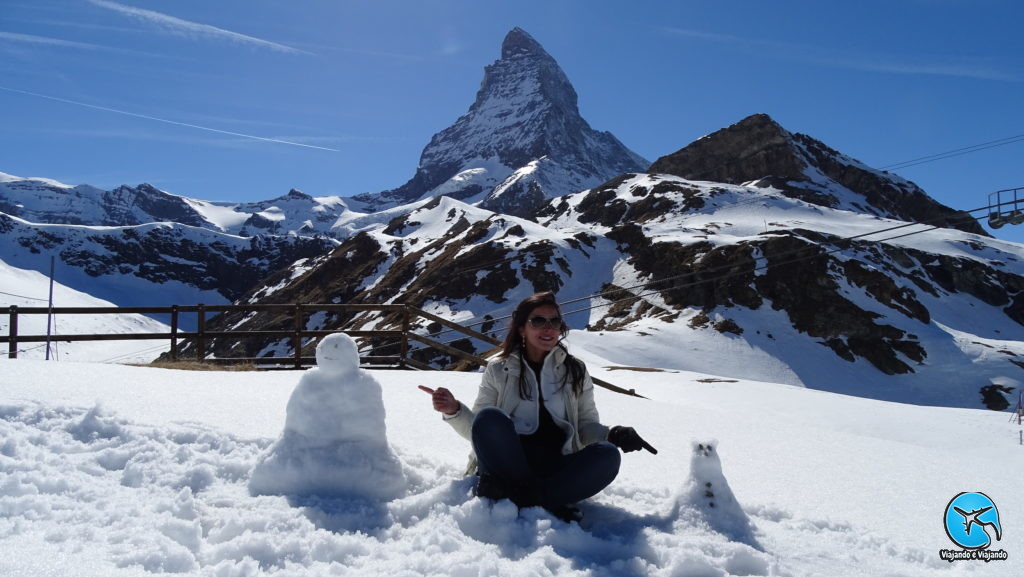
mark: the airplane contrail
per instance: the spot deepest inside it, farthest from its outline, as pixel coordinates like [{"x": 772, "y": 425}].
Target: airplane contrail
[
  {"x": 174, "y": 122},
  {"x": 187, "y": 27},
  {"x": 33, "y": 39}
]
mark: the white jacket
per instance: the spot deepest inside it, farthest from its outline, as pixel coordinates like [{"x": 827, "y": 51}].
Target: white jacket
[{"x": 576, "y": 415}]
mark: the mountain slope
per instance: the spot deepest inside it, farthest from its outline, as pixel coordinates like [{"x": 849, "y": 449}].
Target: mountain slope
[
  {"x": 774, "y": 278},
  {"x": 47, "y": 201},
  {"x": 142, "y": 246},
  {"x": 153, "y": 264},
  {"x": 447, "y": 257},
  {"x": 759, "y": 151},
  {"x": 521, "y": 142},
  {"x": 25, "y": 288}
]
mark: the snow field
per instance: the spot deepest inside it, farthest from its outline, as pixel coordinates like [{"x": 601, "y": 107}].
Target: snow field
[{"x": 112, "y": 470}]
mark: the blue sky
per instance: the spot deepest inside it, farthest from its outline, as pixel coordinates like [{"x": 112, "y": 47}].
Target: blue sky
[{"x": 244, "y": 100}]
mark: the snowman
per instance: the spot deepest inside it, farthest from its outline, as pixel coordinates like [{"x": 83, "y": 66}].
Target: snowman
[
  {"x": 334, "y": 442},
  {"x": 708, "y": 494}
]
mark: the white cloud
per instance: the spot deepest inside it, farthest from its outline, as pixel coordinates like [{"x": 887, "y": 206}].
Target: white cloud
[
  {"x": 188, "y": 28},
  {"x": 46, "y": 41}
]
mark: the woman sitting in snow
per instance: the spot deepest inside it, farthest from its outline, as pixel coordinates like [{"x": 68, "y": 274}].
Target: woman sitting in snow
[{"x": 538, "y": 449}]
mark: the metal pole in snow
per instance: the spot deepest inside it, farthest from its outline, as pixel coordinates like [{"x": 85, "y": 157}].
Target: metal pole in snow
[{"x": 49, "y": 314}]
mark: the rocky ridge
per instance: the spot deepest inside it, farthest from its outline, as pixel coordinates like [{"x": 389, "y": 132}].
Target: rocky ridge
[
  {"x": 757, "y": 150},
  {"x": 45, "y": 201},
  {"x": 155, "y": 264}
]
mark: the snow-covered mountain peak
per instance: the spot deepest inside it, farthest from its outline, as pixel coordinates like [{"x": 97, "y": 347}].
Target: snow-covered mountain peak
[
  {"x": 525, "y": 112},
  {"x": 759, "y": 151},
  {"x": 45, "y": 201},
  {"x": 525, "y": 84},
  {"x": 4, "y": 177}
]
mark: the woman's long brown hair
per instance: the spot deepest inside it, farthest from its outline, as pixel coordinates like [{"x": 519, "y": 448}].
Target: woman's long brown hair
[{"x": 513, "y": 343}]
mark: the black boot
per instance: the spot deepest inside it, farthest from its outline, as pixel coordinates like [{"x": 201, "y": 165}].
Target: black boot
[
  {"x": 567, "y": 513},
  {"x": 490, "y": 487},
  {"x": 524, "y": 496}
]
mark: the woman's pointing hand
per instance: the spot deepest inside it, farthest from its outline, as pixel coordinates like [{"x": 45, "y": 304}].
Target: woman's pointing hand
[{"x": 444, "y": 401}]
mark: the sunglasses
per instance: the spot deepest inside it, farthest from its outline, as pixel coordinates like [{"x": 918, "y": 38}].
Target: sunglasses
[{"x": 539, "y": 322}]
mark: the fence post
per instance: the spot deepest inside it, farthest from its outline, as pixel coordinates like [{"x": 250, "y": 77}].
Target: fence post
[
  {"x": 12, "y": 346},
  {"x": 406, "y": 324},
  {"x": 174, "y": 333},
  {"x": 49, "y": 315},
  {"x": 297, "y": 339},
  {"x": 201, "y": 332}
]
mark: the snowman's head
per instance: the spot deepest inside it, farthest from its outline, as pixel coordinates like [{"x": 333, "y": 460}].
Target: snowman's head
[{"x": 337, "y": 354}]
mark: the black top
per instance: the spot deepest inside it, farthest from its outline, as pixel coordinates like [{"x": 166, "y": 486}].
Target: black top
[{"x": 543, "y": 447}]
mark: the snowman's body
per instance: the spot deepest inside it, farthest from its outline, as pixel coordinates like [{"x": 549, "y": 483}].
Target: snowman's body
[{"x": 335, "y": 440}]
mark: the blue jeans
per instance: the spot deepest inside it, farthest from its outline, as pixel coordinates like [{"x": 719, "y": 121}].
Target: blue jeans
[{"x": 577, "y": 476}]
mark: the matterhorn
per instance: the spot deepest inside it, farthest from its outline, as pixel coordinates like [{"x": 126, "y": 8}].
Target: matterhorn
[{"x": 522, "y": 142}]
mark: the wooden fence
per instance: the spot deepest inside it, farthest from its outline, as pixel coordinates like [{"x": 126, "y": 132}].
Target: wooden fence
[
  {"x": 299, "y": 312},
  {"x": 298, "y": 333}
]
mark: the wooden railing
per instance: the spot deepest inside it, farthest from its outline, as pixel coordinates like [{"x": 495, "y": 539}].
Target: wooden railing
[
  {"x": 201, "y": 336},
  {"x": 300, "y": 313}
]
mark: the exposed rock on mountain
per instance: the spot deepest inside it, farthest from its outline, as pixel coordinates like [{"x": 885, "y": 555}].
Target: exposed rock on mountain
[
  {"x": 444, "y": 253},
  {"x": 522, "y": 142},
  {"x": 154, "y": 264},
  {"x": 143, "y": 246},
  {"x": 294, "y": 213},
  {"x": 757, "y": 150},
  {"x": 50, "y": 202}
]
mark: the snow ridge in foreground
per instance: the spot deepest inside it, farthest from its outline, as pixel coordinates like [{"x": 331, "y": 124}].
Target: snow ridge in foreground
[
  {"x": 154, "y": 478},
  {"x": 175, "y": 501}
]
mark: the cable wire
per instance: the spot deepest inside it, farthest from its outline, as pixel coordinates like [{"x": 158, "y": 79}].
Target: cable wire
[
  {"x": 24, "y": 297},
  {"x": 138, "y": 352},
  {"x": 955, "y": 152}
]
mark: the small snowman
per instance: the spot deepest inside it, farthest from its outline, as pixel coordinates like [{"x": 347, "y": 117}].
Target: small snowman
[
  {"x": 709, "y": 495},
  {"x": 334, "y": 442}
]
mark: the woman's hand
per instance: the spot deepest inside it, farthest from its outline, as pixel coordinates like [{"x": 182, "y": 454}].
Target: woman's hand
[
  {"x": 627, "y": 439},
  {"x": 444, "y": 401}
]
